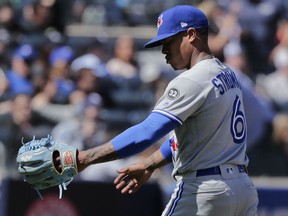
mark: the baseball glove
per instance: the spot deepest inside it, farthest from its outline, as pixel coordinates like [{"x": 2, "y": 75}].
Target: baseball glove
[{"x": 36, "y": 160}]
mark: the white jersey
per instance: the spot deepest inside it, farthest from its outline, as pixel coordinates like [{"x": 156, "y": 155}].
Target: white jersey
[{"x": 207, "y": 101}]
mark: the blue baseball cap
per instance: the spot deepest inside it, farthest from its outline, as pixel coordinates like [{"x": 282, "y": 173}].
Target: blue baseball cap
[
  {"x": 175, "y": 20},
  {"x": 25, "y": 52},
  {"x": 63, "y": 53}
]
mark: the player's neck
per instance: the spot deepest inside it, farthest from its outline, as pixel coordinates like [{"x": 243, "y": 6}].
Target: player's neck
[
  {"x": 203, "y": 56},
  {"x": 200, "y": 57}
]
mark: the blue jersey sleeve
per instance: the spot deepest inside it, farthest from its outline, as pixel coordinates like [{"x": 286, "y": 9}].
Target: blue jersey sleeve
[{"x": 139, "y": 137}]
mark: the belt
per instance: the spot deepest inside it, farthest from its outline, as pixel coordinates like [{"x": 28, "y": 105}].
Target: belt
[{"x": 217, "y": 171}]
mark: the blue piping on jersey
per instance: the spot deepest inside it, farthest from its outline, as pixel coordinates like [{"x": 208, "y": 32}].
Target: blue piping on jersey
[
  {"x": 177, "y": 198},
  {"x": 169, "y": 115}
]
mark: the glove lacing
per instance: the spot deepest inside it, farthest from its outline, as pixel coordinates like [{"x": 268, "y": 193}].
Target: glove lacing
[
  {"x": 62, "y": 186},
  {"x": 40, "y": 195}
]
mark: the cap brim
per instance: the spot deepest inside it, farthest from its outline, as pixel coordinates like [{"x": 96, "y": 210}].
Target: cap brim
[{"x": 157, "y": 40}]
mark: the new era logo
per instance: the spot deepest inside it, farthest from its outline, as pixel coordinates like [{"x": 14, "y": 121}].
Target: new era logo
[{"x": 183, "y": 24}]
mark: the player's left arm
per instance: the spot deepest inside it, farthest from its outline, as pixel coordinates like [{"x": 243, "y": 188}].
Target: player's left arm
[
  {"x": 132, "y": 177},
  {"x": 132, "y": 141}
]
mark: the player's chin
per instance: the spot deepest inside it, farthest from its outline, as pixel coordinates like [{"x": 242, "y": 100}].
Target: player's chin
[
  {"x": 176, "y": 67},
  {"x": 172, "y": 65}
]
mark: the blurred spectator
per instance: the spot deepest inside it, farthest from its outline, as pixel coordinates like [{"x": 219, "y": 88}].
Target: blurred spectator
[
  {"x": 130, "y": 93},
  {"x": 280, "y": 131},
  {"x": 235, "y": 58},
  {"x": 5, "y": 54},
  {"x": 43, "y": 103},
  {"x": 20, "y": 122},
  {"x": 53, "y": 99},
  {"x": 85, "y": 129},
  {"x": 282, "y": 33},
  {"x": 59, "y": 62},
  {"x": 89, "y": 61},
  {"x": 36, "y": 17},
  {"x": 4, "y": 96},
  {"x": 3, "y": 84},
  {"x": 85, "y": 70},
  {"x": 123, "y": 67},
  {"x": 90, "y": 75},
  {"x": 123, "y": 63},
  {"x": 19, "y": 75},
  {"x": 7, "y": 16},
  {"x": 270, "y": 158},
  {"x": 224, "y": 25},
  {"x": 87, "y": 12},
  {"x": 252, "y": 22},
  {"x": 94, "y": 14},
  {"x": 258, "y": 20},
  {"x": 7, "y": 30},
  {"x": 3, "y": 172},
  {"x": 274, "y": 86},
  {"x": 60, "y": 57},
  {"x": 76, "y": 11}
]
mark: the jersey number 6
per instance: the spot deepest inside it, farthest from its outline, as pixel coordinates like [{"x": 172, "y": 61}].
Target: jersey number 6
[{"x": 238, "y": 123}]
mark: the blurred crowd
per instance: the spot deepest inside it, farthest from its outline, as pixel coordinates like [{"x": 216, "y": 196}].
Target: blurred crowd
[{"x": 83, "y": 91}]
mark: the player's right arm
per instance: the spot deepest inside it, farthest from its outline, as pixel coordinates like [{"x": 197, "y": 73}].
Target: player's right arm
[
  {"x": 130, "y": 142},
  {"x": 132, "y": 177}
]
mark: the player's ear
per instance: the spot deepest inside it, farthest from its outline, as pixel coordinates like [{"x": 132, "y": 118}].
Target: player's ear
[{"x": 191, "y": 34}]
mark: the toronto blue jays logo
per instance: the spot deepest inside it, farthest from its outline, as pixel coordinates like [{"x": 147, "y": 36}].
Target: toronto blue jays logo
[
  {"x": 173, "y": 143},
  {"x": 160, "y": 21}
]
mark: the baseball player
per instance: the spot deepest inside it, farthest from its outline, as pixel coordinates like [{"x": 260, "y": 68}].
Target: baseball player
[{"x": 202, "y": 111}]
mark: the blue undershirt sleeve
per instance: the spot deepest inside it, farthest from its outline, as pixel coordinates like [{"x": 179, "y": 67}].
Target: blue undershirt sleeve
[
  {"x": 139, "y": 137},
  {"x": 166, "y": 150}
]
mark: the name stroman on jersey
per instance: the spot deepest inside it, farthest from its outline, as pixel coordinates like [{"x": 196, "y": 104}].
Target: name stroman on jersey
[{"x": 224, "y": 81}]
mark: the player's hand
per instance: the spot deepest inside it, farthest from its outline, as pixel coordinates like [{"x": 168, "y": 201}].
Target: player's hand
[
  {"x": 132, "y": 177},
  {"x": 80, "y": 166}
]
